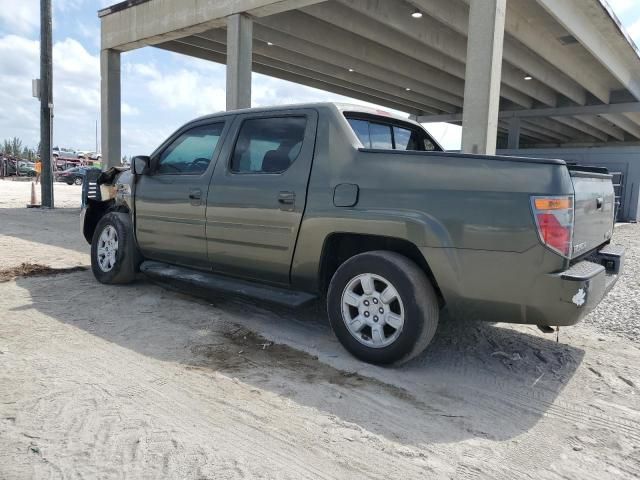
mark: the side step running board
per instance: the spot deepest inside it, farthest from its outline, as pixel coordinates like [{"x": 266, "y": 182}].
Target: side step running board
[{"x": 199, "y": 283}]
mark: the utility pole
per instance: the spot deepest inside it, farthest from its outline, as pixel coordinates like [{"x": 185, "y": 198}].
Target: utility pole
[{"x": 46, "y": 103}]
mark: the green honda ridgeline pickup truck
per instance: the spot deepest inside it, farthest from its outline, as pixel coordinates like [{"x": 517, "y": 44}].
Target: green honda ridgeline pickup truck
[{"x": 293, "y": 203}]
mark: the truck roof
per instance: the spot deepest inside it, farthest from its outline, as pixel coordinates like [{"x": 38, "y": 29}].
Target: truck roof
[{"x": 342, "y": 107}]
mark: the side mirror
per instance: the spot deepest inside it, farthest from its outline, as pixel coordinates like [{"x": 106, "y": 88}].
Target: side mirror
[{"x": 140, "y": 165}]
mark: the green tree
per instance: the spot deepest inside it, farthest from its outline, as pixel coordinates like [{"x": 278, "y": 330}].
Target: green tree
[
  {"x": 28, "y": 154},
  {"x": 16, "y": 147}
]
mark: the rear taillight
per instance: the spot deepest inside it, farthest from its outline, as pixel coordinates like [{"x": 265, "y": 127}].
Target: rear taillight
[{"x": 554, "y": 220}]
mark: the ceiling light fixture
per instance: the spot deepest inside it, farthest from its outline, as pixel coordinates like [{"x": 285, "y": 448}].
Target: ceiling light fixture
[
  {"x": 351, "y": 70},
  {"x": 408, "y": 89},
  {"x": 270, "y": 44},
  {"x": 528, "y": 77},
  {"x": 416, "y": 13}
]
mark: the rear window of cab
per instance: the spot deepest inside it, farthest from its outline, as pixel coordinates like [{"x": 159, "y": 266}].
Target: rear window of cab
[{"x": 388, "y": 134}]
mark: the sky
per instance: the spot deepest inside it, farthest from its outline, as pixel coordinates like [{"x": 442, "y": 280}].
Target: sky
[{"x": 160, "y": 90}]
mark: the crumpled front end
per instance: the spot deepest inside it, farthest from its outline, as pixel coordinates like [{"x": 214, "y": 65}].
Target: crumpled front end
[{"x": 102, "y": 192}]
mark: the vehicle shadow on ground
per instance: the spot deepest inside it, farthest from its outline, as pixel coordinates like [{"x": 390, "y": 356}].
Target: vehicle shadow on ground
[{"x": 476, "y": 380}]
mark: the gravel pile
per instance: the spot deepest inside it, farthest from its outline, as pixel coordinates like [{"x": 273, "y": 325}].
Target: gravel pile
[{"x": 619, "y": 312}]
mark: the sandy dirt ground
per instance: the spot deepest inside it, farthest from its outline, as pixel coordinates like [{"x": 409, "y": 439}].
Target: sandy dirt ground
[{"x": 142, "y": 382}]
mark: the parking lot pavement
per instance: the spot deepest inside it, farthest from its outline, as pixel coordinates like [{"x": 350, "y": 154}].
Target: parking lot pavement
[
  {"x": 51, "y": 237},
  {"x": 142, "y": 382}
]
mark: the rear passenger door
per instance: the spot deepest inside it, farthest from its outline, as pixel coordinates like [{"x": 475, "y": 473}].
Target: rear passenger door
[{"x": 258, "y": 195}]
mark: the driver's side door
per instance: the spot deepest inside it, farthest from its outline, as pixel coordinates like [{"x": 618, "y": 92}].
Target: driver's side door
[{"x": 170, "y": 200}]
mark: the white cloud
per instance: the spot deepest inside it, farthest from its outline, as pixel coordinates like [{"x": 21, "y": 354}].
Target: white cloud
[
  {"x": 76, "y": 91},
  {"x": 19, "y": 112},
  {"x": 128, "y": 110},
  {"x": 144, "y": 70},
  {"x": 634, "y": 32},
  {"x": 621, "y": 6},
  {"x": 185, "y": 89},
  {"x": 23, "y": 16},
  {"x": 19, "y": 16}
]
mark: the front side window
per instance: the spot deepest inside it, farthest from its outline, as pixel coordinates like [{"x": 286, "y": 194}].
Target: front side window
[
  {"x": 268, "y": 145},
  {"x": 191, "y": 152}
]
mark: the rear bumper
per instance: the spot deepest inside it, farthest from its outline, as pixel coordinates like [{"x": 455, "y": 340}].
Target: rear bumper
[
  {"x": 505, "y": 287},
  {"x": 565, "y": 298}
]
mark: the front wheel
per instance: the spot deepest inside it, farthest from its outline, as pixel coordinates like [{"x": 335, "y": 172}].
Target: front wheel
[
  {"x": 114, "y": 255},
  {"x": 382, "y": 307}
]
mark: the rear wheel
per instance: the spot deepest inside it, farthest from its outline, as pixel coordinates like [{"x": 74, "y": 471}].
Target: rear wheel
[
  {"x": 382, "y": 307},
  {"x": 114, "y": 255},
  {"x": 78, "y": 181}
]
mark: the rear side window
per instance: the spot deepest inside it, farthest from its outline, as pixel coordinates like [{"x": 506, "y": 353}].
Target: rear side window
[
  {"x": 380, "y": 136},
  {"x": 268, "y": 145},
  {"x": 361, "y": 129},
  {"x": 408, "y": 139},
  {"x": 388, "y": 136}
]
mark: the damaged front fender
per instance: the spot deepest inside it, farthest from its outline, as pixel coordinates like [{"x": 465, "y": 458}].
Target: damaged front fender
[{"x": 109, "y": 191}]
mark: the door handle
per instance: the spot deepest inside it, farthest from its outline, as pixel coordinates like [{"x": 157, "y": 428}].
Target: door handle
[
  {"x": 195, "y": 196},
  {"x": 286, "y": 198}
]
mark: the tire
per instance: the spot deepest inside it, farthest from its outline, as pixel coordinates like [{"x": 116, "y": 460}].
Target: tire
[
  {"x": 124, "y": 260},
  {"x": 415, "y": 302},
  {"x": 77, "y": 181}
]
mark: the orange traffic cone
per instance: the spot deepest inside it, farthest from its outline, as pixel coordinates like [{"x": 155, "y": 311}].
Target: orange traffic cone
[{"x": 34, "y": 202}]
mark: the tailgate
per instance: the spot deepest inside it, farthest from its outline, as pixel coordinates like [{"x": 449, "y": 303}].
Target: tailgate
[{"x": 594, "y": 209}]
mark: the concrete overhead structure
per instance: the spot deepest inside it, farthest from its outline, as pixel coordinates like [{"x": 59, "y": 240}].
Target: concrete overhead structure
[{"x": 514, "y": 73}]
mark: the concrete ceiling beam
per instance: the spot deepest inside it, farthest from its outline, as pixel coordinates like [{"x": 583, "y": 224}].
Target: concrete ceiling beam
[
  {"x": 544, "y": 44},
  {"x": 415, "y": 61},
  {"x": 150, "y": 23},
  {"x": 570, "y": 128},
  {"x": 299, "y": 75},
  {"x": 573, "y": 16},
  {"x": 548, "y": 132},
  {"x": 215, "y": 40},
  {"x": 426, "y": 31},
  {"x": 331, "y": 53},
  {"x": 395, "y": 49},
  {"x": 580, "y": 126},
  {"x": 527, "y": 132},
  {"x": 601, "y": 110},
  {"x": 603, "y": 125},
  {"x": 625, "y": 123},
  {"x": 455, "y": 15}
]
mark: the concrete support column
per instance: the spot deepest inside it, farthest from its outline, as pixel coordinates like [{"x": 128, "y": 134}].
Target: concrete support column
[
  {"x": 482, "y": 77},
  {"x": 110, "y": 116},
  {"x": 239, "y": 55},
  {"x": 514, "y": 133}
]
